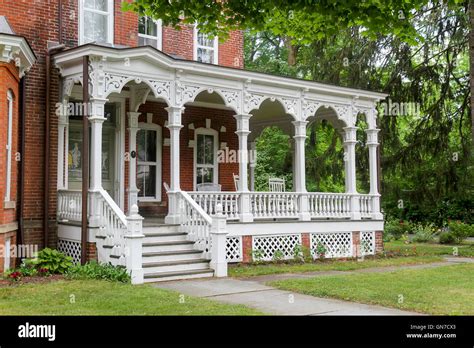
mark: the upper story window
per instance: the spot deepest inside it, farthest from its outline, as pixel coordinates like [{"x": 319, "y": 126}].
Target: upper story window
[
  {"x": 205, "y": 47},
  {"x": 96, "y": 21},
  {"x": 149, "y": 32}
]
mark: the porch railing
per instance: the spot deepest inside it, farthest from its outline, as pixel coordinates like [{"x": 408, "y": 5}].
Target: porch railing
[
  {"x": 209, "y": 201},
  {"x": 264, "y": 205},
  {"x": 195, "y": 222},
  {"x": 329, "y": 205},
  {"x": 287, "y": 205},
  {"x": 69, "y": 205}
]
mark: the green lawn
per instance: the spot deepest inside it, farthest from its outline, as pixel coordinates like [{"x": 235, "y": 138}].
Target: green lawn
[
  {"x": 94, "y": 297},
  {"x": 446, "y": 290},
  {"x": 327, "y": 265},
  {"x": 466, "y": 249}
]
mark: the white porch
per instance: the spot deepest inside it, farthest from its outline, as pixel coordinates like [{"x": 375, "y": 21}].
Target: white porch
[{"x": 220, "y": 220}]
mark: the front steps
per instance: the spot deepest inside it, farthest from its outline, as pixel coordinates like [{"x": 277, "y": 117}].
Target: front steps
[{"x": 168, "y": 255}]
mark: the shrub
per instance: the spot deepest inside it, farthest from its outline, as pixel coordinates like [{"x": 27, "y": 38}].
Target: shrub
[
  {"x": 447, "y": 238},
  {"x": 395, "y": 229},
  {"x": 94, "y": 270},
  {"x": 27, "y": 268},
  {"x": 257, "y": 255},
  {"x": 424, "y": 233},
  {"x": 278, "y": 255},
  {"x": 320, "y": 250},
  {"x": 53, "y": 261},
  {"x": 460, "y": 231}
]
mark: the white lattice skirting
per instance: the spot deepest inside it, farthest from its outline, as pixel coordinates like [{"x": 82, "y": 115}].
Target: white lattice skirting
[
  {"x": 266, "y": 246},
  {"x": 367, "y": 243},
  {"x": 334, "y": 244},
  {"x": 70, "y": 248},
  {"x": 234, "y": 249}
]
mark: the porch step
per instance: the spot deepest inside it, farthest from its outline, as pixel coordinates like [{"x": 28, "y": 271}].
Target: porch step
[
  {"x": 172, "y": 245},
  {"x": 164, "y": 237},
  {"x": 171, "y": 255},
  {"x": 167, "y": 276},
  {"x": 175, "y": 266}
]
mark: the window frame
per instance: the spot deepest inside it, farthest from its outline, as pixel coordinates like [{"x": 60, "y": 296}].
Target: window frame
[
  {"x": 110, "y": 21},
  {"x": 159, "y": 33},
  {"x": 196, "y": 46},
  {"x": 215, "y": 166},
  {"x": 157, "y": 128},
  {"x": 8, "y": 146}
]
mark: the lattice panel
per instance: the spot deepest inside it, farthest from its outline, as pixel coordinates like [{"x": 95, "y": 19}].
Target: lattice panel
[
  {"x": 70, "y": 248},
  {"x": 266, "y": 246},
  {"x": 234, "y": 249},
  {"x": 337, "y": 244},
  {"x": 367, "y": 243}
]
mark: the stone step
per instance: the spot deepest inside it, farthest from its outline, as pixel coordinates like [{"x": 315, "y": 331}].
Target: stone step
[
  {"x": 161, "y": 228},
  {"x": 175, "y": 266},
  {"x": 173, "y": 245},
  {"x": 167, "y": 276},
  {"x": 164, "y": 237},
  {"x": 171, "y": 255}
]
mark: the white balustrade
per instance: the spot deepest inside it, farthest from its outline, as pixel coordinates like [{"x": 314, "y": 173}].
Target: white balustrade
[
  {"x": 329, "y": 205},
  {"x": 265, "y": 205},
  {"x": 195, "y": 222},
  {"x": 69, "y": 205},
  {"x": 365, "y": 206},
  {"x": 208, "y": 201}
]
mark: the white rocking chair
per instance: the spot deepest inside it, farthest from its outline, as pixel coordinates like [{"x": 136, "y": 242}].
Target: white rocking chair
[
  {"x": 236, "y": 181},
  {"x": 276, "y": 185}
]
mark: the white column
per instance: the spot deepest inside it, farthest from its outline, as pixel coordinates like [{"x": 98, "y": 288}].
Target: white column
[
  {"x": 372, "y": 143},
  {"x": 96, "y": 119},
  {"x": 299, "y": 179},
  {"x": 62, "y": 151},
  {"x": 350, "y": 140},
  {"x": 218, "y": 251},
  {"x": 132, "y": 164},
  {"x": 243, "y": 132},
  {"x": 253, "y": 164},
  {"x": 174, "y": 125}
]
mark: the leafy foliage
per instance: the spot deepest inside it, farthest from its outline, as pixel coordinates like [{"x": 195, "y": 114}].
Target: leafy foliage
[
  {"x": 423, "y": 233},
  {"x": 52, "y": 261},
  {"x": 94, "y": 270}
]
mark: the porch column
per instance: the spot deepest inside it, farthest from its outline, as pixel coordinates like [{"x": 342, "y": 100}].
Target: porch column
[
  {"x": 96, "y": 119},
  {"x": 174, "y": 125},
  {"x": 132, "y": 164},
  {"x": 62, "y": 149},
  {"x": 299, "y": 180},
  {"x": 243, "y": 132},
  {"x": 253, "y": 164},
  {"x": 350, "y": 140},
  {"x": 372, "y": 143}
]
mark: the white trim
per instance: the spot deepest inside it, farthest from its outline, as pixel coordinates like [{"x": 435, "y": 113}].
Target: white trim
[
  {"x": 110, "y": 21},
  {"x": 215, "y": 47},
  {"x": 215, "y": 166},
  {"x": 120, "y": 149},
  {"x": 9, "y": 145},
  {"x": 158, "y": 163},
  {"x": 159, "y": 34}
]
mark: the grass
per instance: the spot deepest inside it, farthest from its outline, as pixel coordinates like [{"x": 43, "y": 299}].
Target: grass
[
  {"x": 94, "y": 297},
  {"x": 446, "y": 290},
  {"x": 466, "y": 249},
  {"x": 327, "y": 265}
]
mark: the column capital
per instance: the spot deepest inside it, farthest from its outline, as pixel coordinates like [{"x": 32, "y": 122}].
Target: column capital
[
  {"x": 243, "y": 125},
  {"x": 96, "y": 109},
  {"x": 350, "y": 134},
  {"x": 174, "y": 117},
  {"x": 372, "y": 136},
  {"x": 300, "y": 129},
  {"x": 133, "y": 119}
]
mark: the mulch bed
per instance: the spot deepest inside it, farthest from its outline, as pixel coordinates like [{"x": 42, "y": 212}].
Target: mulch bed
[{"x": 31, "y": 280}]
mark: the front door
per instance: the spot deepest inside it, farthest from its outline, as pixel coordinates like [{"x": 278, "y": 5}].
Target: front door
[{"x": 108, "y": 152}]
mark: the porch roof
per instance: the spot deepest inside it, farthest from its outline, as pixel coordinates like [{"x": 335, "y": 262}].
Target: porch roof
[{"x": 179, "y": 81}]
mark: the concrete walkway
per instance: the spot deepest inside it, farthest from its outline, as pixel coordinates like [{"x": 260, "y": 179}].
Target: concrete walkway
[{"x": 252, "y": 292}]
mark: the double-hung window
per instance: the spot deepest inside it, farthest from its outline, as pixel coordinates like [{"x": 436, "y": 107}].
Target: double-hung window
[
  {"x": 205, "y": 47},
  {"x": 149, "y": 162},
  {"x": 149, "y": 32},
  {"x": 206, "y": 167},
  {"x": 9, "y": 145},
  {"x": 96, "y": 21}
]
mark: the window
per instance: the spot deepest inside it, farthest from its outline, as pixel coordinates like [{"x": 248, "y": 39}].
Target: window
[
  {"x": 96, "y": 21},
  {"x": 205, "y": 155},
  {"x": 9, "y": 145},
  {"x": 149, "y": 162},
  {"x": 205, "y": 48},
  {"x": 149, "y": 32}
]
